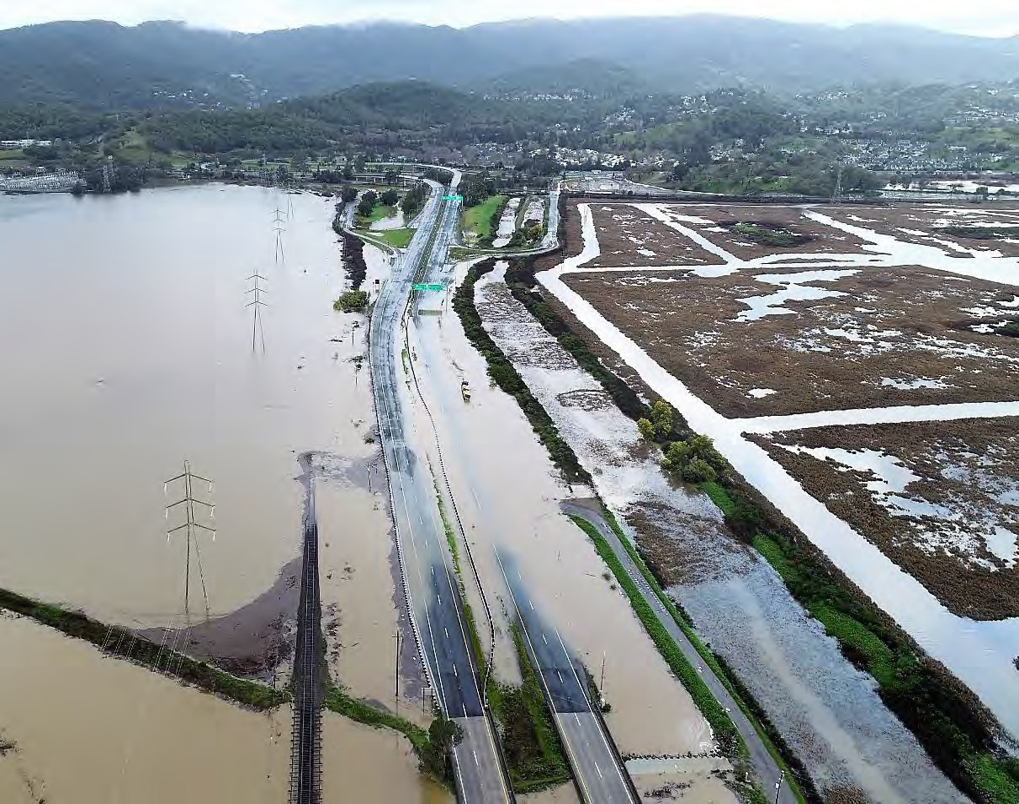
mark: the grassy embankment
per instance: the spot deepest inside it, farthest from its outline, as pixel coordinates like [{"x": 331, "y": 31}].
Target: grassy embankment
[
  {"x": 534, "y": 757},
  {"x": 482, "y": 221},
  {"x": 398, "y": 238},
  {"x": 339, "y": 701},
  {"x": 725, "y": 731},
  {"x": 146, "y": 653},
  {"x": 948, "y": 720}
]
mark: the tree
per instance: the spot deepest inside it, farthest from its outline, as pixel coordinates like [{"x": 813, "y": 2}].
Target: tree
[
  {"x": 662, "y": 418},
  {"x": 348, "y": 193},
  {"x": 659, "y": 424},
  {"x": 367, "y": 204},
  {"x": 443, "y": 735},
  {"x": 390, "y": 197},
  {"x": 694, "y": 460}
]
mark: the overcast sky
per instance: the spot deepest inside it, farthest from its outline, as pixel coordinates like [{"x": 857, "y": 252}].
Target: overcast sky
[{"x": 984, "y": 17}]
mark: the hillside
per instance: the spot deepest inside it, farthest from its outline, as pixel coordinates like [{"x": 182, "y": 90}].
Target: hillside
[{"x": 102, "y": 65}]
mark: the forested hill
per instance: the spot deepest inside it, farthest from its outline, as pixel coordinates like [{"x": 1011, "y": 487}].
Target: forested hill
[{"x": 166, "y": 65}]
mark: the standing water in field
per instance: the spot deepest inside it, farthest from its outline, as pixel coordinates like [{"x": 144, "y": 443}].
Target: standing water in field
[{"x": 128, "y": 350}]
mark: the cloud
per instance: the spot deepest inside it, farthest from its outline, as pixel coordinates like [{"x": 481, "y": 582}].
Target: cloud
[{"x": 986, "y": 17}]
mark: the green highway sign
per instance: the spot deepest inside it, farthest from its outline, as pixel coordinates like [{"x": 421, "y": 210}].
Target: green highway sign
[
  {"x": 452, "y": 198},
  {"x": 429, "y": 286}
]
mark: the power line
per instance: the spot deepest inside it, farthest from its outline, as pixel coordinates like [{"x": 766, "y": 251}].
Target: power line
[
  {"x": 256, "y": 302},
  {"x": 277, "y": 225},
  {"x": 192, "y": 527}
]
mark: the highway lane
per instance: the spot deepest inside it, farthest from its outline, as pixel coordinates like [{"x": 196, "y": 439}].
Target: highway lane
[
  {"x": 597, "y": 767},
  {"x": 429, "y": 578},
  {"x": 599, "y": 773}
]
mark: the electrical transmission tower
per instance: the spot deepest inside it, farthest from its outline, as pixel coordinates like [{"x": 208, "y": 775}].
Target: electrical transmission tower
[
  {"x": 256, "y": 302},
  {"x": 108, "y": 175},
  {"x": 836, "y": 196},
  {"x": 277, "y": 225},
  {"x": 288, "y": 188},
  {"x": 192, "y": 527}
]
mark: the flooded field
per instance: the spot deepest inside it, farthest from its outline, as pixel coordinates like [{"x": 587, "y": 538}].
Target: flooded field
[
  {"x": 822, "y": 339},
  {"x": 827, "y": 711},
  {"x": 924, "y": 493},
  {"x": 364, "y": 764},
  {"x": 95, "y": 730},
  {"x": 145, "y": 360},
  {"x": 981, "y": 654}
]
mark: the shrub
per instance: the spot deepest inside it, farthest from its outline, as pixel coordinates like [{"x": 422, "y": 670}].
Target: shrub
[{"x": 353, "y": 301}]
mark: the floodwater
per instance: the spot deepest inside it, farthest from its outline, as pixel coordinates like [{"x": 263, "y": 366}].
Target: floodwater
[
  {"x": 364, "y": 764},
  {"x": 507, "y": 224},
  {"x": 980, "y": 653},
  {"x": 394, "y": 221},
  {"x": 827, "y": 710},
  {"x": 129, "y": 352},
  {"x": 89, "y": 729},
  {"x": 651, "y": 712},
  {"x": 96, "y": 730}
]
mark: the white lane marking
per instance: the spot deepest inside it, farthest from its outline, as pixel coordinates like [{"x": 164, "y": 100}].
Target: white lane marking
[
  {"x": 476, "y": 500},
  {"x": 445, "y": 632},
  {"x": 543, "y": 638},
  {"x": 529, "y": 603},
  {"x": 476, "y": 758},
  {"x": 455, "y": 672},
  {"x": 599, "y": 771}
]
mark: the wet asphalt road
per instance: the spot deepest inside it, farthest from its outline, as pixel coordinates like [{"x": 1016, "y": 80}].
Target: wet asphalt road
[{"x": 430, "y": 581}]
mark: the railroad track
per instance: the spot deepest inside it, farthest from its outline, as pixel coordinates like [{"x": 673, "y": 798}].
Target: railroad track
[{"x": 306, "y": 745}]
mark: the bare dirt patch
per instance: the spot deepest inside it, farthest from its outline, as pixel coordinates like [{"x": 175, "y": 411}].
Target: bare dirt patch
[
  {"x": 958, "y": 230},
  {"x": 940, "y": 499},
  {"x": 758, "y": 344},
  {"x": 751, "y": 231},
  {"x": 628, "y": 236}
]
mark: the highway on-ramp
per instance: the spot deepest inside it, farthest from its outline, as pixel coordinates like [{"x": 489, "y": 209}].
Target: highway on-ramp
[{"x": 432, "y": 588}]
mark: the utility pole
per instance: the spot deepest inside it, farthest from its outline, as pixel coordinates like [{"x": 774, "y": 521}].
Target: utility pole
[
  {"x": 778, "y": 786},
  {"x": 396, "y": 668},
  {"x": 836, "y": 197},
  {"x": 257, "y": 303},
  {"x": 191, "y": 526},
  {"x": 277, "y": 225}
]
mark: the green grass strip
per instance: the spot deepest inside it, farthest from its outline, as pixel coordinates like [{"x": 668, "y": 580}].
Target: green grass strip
[
  {"x": 726, "y": 733},
  {"x": 146, "y": 653},
  {"x": 337, "y": 700},
  {"x": 534, "y": 754},
  {"x": 502, "y": 372}
]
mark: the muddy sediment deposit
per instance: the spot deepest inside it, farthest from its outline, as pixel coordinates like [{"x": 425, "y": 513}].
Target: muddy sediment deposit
[
  {"x": 756, "y": 344},
  {"x": 939, "y": 498}
]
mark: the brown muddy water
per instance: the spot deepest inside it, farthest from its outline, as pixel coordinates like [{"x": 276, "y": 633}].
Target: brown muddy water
[
  {"x": 134, "y": 354},
  {"x": 94, "y": 730},
  {"x": 508, "y": 498},
  {"x": 140, "y": 737}
]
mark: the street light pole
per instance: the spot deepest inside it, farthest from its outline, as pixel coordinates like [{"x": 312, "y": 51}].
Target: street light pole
[{"x": 778, "y": 786}]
